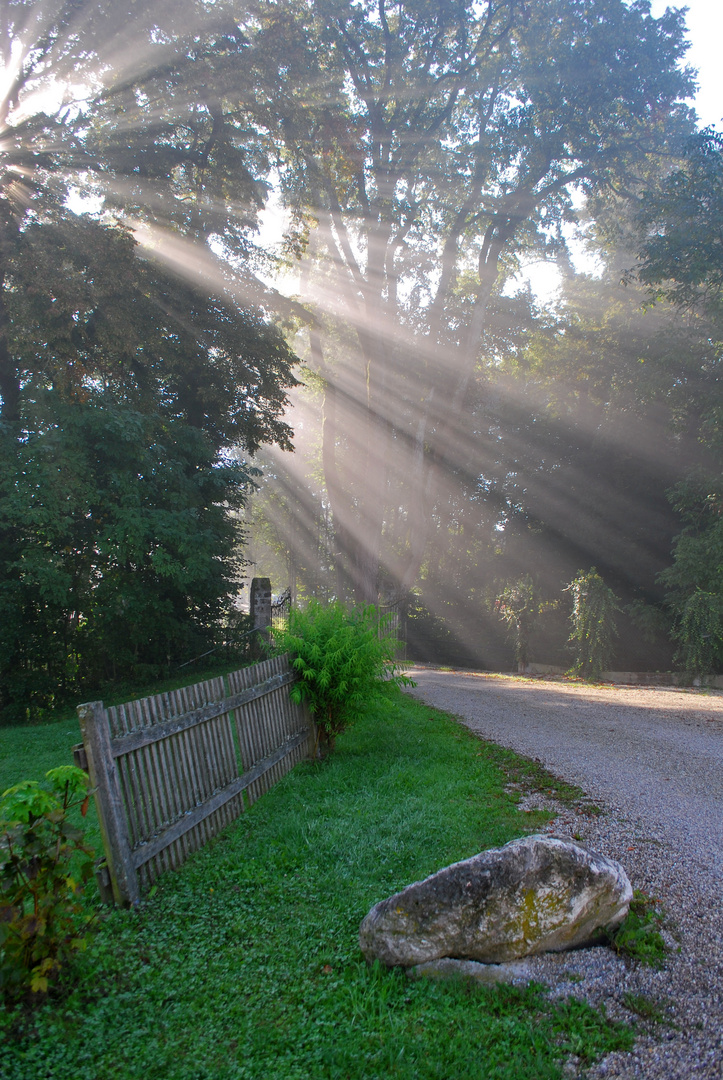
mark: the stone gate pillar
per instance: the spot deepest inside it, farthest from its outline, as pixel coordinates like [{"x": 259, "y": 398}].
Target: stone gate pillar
[{"x": 260, "y": 604}]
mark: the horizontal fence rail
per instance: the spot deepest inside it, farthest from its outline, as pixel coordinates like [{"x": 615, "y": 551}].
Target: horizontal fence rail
[{"x": 171, "y": 771}]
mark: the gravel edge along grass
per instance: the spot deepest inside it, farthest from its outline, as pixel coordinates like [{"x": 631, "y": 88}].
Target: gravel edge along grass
[{"x": 245, "y": 964}]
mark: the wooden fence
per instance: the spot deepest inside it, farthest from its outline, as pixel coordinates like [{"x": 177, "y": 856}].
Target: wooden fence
[{"x": 171, "y": 771}]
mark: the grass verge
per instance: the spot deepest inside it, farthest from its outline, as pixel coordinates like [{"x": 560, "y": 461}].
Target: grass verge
[{"x": 245, "y": 965}]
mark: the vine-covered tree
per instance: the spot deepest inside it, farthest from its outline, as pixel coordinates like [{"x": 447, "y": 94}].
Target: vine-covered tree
[
  {"x": 519, "y": 605},
  {"x": 593, "y": 623}
]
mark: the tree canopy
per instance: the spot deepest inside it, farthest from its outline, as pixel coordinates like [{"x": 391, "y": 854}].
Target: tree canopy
[
  {"x": 467, "y": 437},
  {"x": 422, "y": 151},
  {"x": 681, "y": 261},
  {"x": 133, "y": 386}
]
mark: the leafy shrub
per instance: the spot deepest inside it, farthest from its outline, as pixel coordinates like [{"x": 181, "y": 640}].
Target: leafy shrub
[
  {"x": 344, "y": 657},
  {"x": 43, "y": 867},
  {"x": 594, "y": 606}
]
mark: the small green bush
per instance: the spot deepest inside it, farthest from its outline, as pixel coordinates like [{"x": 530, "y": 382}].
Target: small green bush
[
  {"x": 344, "y": 657},
  {"x": 43, "y": 867}
]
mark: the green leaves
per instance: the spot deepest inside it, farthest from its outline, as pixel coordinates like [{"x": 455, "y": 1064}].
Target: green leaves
[
  {"x": 68, "y": 780},
  {"x": 117, "y": 548},
  {"x": 26, "y": 800},
  {"x": 519, "y": 606},
  {"x": 123, "y": 384},
  {"x": 639, "y": 935},
  {"x": 343, "y": 657},
  {"x": 594, "y": 606},
  {"x": 699, "y": 630},
  {"x": 680, "y": 225},
  {"x": 43, "y": 865},
  {"x": 695, "y": 580}
]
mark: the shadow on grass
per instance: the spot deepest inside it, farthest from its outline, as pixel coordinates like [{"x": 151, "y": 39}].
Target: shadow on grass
[{"x": 245, "y": 965}]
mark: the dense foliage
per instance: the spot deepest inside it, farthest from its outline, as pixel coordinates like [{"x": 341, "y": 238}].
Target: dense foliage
[
  {"x": 44, "y": 864},
  {"x": 593, "y": 629},
  {"x": 118, "y": 549},
  {"x": 680, "y": 255},
  {"x": 425, "y": 150},
  {"x": 132, "y": 386},
  {"x": 465, "y": 436},
  {"x": 681, "y": 261},
  {"x": 344, "y": 658},
  {"x": 699, "y": 629},
  {"x": 519, "y": 605}
]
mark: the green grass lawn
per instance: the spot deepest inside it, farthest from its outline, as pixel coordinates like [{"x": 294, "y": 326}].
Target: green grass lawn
[
  {"x": 27, "y": 752},
  {"x": 245, "y": 964}
]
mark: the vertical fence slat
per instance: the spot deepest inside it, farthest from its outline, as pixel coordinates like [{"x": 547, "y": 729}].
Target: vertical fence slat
[{"x": 148, "y": 782}]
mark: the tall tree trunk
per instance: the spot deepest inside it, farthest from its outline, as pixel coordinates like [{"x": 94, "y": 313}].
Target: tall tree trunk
[{"x": 9, "y": 374}]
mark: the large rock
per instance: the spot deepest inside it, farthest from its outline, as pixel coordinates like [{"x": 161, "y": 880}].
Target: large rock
[{"x": 534, "y": 895}]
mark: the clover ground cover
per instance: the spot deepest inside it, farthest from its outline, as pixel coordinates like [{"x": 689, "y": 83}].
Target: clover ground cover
[{"x": 244, "y": 965}]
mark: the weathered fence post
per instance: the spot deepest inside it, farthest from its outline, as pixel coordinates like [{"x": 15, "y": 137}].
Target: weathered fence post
[
  {"x": 109, "y": 804},
  {"x": 260, "y": 606}
]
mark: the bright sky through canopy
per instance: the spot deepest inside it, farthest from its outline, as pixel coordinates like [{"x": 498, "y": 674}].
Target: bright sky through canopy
[
  {"x": 705, "y": 32},
  {"x": 704, "y": 20}
]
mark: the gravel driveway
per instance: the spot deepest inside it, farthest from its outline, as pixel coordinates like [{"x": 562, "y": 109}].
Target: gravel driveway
[
  {"x": 652, "y": 757},
  {"x": 655, "y": 753}
]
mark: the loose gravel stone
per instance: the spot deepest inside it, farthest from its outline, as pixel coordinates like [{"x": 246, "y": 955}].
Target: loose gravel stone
[{"x": 667, "y": 853}]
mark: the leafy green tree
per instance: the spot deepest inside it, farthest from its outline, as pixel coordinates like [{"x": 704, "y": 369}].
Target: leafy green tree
[
  {"x": 599, "y": 412},
  {"x": 124, "y": 384},
  {"x": 700, "y": 632},
  {"x": 594, "y": 608},
  {"x": 120, "y": 553},
  {"x": 680, "y": 222},
  {"x": 680, "y": 261},
  {"x": 519, "y": 605},
  {"x": 117, "y": 532},
  {"x": 694, "y": 582},
  {"x": 421, "y": 150}
]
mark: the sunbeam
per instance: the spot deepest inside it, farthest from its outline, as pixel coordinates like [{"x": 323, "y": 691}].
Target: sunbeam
[{"x": 456, "y": 431}]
